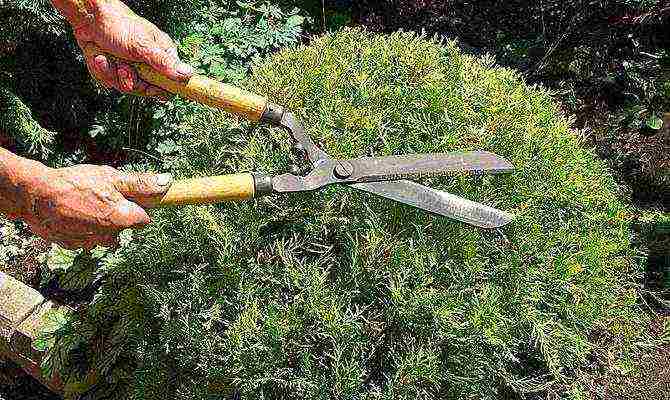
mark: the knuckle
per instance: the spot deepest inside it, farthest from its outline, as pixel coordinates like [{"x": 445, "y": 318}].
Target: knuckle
[
  {"x": 137, "y": 47},
  {"x": 124, "y": 88},
  {"x": 163, "y": 60},
  {"x": 106, "y": 169},
  {"x": 145, "y": 181},
  {"x": 83, "y": 33}
]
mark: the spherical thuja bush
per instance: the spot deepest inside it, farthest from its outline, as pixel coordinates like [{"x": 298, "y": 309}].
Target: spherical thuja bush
[{"x": 341, "y": 294}]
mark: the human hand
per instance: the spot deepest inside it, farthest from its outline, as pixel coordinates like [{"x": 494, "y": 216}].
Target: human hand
[
  {"x": 115, "y": 29},
  {"x": 86, "y": 205}
]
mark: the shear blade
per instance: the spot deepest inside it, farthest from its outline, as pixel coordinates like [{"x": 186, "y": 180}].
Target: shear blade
[
  {"x": 416, "y": 166},
  {"x": 438, "y": 202}
]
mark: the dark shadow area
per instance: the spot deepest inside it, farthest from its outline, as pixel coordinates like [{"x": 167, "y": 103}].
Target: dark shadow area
[
  {"x": 16, "y": 385},
  {"x": 657, "y": 276},
  {"x": 44, "y": 68},
  {"x": 54, "y": 83},
  {"x": 654, "y": 239}
]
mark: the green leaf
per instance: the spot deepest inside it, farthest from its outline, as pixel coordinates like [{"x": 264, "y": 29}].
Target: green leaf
[
  {"x": 654, "y": 122},
  {"x": 42, "y": 343},
  {"x": 60, "y": 258},
  {"x": 96, "y": 130},
  {"x": 295, "y": 20},
  {"x": 168, "y": 146},
  {"x": 159, "y": 113}
]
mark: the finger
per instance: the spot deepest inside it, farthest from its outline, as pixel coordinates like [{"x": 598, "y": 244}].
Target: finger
[
  {"x": 104, "y": 70},
  {"x": 167, "y": 62},
  {"x": 145, "y": 89},
  {"x": 142, "y": 188},
  {"x": 12, "y": 216},
  {"x": 100, "y": 240},
  {"x": 89, "y": 55},
  {"x": 39, "y": 230},
  {"x": 52, "y": 235},
  {"x": 127, "y": 214},
  {"x": 127, "y": 78}
]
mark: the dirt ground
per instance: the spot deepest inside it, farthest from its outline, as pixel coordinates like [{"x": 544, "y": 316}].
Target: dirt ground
[{"x": 653, "y": 383}]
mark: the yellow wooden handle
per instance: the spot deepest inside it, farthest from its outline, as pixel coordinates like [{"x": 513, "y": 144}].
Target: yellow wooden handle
[
  {"x": 199, "y": 89},
  {"x": 207, "y": 190},
  {"x": 210, "y": 92}
]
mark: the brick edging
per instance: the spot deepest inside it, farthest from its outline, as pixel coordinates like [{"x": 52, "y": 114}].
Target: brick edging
[{"x": 22, "y": 317}]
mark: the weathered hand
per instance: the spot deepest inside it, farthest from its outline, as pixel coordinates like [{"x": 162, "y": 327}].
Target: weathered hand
[
  {"x": 117, "y": 30},
  {"x": 86, "y": 205}
]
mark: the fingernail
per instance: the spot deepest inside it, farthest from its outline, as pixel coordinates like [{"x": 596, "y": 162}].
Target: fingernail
[
  {"x": 184, "y": 69},
  {"x": 163, "y": 179}
]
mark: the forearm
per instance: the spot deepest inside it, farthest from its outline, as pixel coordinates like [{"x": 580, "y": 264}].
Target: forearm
[{"x": 17, "y": 176}]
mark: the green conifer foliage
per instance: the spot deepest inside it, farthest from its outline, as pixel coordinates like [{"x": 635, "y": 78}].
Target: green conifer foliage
[
  {"x": 22, "y": 16},
  {"x": 339, "y": 294},
  {"x": 17, "y": 123}
]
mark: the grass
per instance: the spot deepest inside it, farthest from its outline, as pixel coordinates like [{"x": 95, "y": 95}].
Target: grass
[{"x": 339, "y": 294}]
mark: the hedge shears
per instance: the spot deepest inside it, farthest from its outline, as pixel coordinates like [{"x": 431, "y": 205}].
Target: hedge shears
[{"x": 383, "y": 176}]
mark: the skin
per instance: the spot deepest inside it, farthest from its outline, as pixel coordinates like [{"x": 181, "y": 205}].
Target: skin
[
  {"x": 114, "y": 28},
  {"x": 86, "y": 205},
  {"x": 77, "y": 207}
]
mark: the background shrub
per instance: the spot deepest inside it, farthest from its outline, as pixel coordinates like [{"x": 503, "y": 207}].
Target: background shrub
[
  {"x": 305, "y": 296},
  {"x": 607, "y": 62}
]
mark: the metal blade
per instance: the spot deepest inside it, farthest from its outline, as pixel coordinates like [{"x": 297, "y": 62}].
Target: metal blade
[
  {"x": 438, "y": 202},
  {"x": 416, "y": 166},
  {"x": 391, "y": 168},
  {"x": 295, "y": 128}
]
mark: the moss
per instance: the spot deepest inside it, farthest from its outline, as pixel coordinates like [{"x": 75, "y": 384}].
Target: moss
[{"x": 339, "y": 294}]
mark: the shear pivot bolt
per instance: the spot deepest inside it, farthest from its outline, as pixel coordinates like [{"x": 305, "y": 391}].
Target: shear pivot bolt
[{"x": 344, "y": 170}]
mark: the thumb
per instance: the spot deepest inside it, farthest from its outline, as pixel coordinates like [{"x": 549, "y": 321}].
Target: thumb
[
  {"x": 127, "y": 214},
  {"x": 167, "y": 62},
  {"x": 144, "y": 189}
]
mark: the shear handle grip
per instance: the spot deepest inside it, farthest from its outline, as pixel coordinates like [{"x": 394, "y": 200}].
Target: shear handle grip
[
  {"x": 200, "y": 89},
  {"x": 209, "y": 92},
  {"x": 208, "y": 190}
]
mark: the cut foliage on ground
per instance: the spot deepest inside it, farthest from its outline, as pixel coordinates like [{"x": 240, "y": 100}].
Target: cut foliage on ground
[{"x": 307, "y": 296}]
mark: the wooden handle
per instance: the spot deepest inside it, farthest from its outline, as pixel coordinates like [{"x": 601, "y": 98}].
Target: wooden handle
[
  {"x": 213, "y": 189},
  {"x": 199, "y": 89},
  {"x": 210, "y": 92}
]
